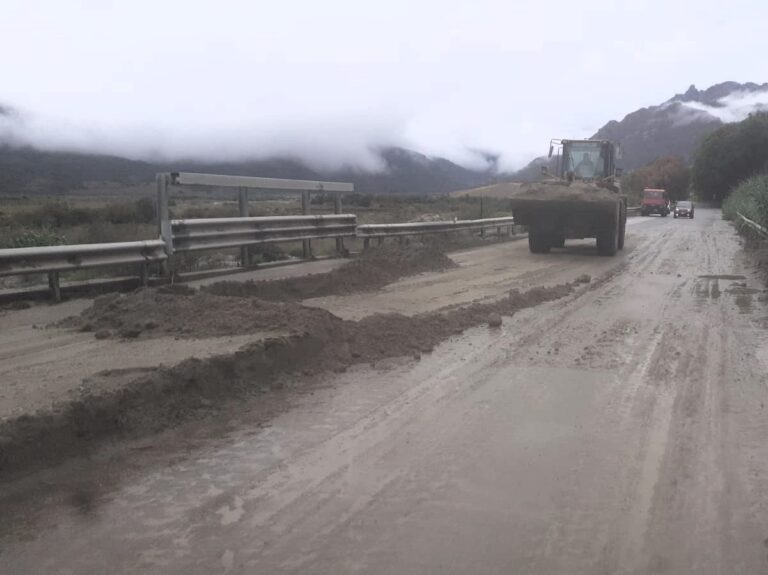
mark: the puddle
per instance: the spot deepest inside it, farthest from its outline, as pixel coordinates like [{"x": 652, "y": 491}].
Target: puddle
[
  {"x": 708, "y": 287},
  {"x": 742, "y": 290},
  {"x": 744, "y": 303},
  {"x": 722, "y": 277}
]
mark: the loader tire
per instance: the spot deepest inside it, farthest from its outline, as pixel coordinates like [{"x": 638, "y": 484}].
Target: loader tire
[
  {"x": 538, "y": 242},
  {"x": 622, "y": 227},
  {"x": 608, "y": 240}
]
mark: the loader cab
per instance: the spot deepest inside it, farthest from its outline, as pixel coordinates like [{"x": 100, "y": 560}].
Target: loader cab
[{"x": 585, "y": 160}]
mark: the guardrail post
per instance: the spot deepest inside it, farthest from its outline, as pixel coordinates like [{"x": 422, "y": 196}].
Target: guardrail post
[
  {"x": 164, "y": 221},
  {"x": 306, "y": 244},
  {"x": 53, "y": 283},
  {"x": 482, "y": 215},
  {"x": 242, "y": 205},
  {"x": 366, "y": 243},
  {"x": 337, "y": 210},
  {"x": 144, "y": 274}
]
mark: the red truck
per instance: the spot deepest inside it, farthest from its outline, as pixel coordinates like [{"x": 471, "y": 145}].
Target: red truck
[{"x": 655, "y": 201}]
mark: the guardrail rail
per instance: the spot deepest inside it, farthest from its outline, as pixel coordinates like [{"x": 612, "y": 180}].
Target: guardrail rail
[
  {"x": 218, "y": 233},
  {"x": 753, "y": 225},
  {"x": 247, "y": 230},
  {"x": 368, "y": 231},
  {"x": 55, "y": 259}
]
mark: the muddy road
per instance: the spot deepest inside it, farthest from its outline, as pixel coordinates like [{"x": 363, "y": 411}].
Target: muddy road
[{"x": 621, "y": 429}]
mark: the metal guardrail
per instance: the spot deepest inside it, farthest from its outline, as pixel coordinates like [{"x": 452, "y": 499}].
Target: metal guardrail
[
  {"x": 228, "y": 237},
  {"x": 186, "y": 235},
  {"x": 218, "y": 233},
  {"x": 368, "y": 231},
  {"x": 221, "y": 180},
  {"x": 753, "y": 225},
  {"x": 55, "y": 259}
]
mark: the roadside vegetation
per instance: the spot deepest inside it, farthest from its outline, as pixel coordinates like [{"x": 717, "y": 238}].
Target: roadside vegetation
[
  {"x": 41, "y": 222},
  {"x": 731, "y": 165},
  {"x": 668, "y": 172},
  {"x": 749, "y": 198},
  {"x": 730, "y": 155}
]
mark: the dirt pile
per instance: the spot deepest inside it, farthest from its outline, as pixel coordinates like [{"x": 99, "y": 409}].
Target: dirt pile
[
  {"x": 154, "y": 312},
  {"x": 149, "y": 400},
  {"x": 150, "y": 313},
  {"x": 553, "y": 191},
  {"x": 390, "y": 335},
  {"x": 373, "y": 269}
]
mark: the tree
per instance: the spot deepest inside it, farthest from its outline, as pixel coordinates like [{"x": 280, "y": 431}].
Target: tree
[
  {"x": 668, "y": 172},
  {"x": 730, "y": 155}
]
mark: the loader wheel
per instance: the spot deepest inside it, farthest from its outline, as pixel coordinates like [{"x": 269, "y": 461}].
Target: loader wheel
[
  {"x": 558, "y": 241},
  {"x": 608, "y": 240},
  {"x": 538, "y": 242}
]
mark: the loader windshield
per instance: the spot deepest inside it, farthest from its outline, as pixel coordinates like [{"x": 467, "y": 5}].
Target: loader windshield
[{"x": 585, "y": 160}]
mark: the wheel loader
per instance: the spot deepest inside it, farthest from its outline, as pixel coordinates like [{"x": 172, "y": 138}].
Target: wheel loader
[{"x": 581, "y": 200}]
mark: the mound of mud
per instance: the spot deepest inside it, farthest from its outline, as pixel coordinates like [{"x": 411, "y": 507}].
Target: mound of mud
[
  {"x": 149, "y": 400},
  {"x": 155, "y": 312},
  {"x": 390, "y": 335},
  {"x": 553, "y": 191},
  {"x": 373, "y": 269}
]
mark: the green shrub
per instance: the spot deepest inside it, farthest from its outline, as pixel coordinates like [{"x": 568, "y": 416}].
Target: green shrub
[
  {"x": 750, "y": 198},
  {"x": 141, "y": 211},
  {"x": 60, "y": 214},
  {"x": 730, "y": 155},
  {"x": 30, "y": 238},
  {"x": 220, "y": 210}
]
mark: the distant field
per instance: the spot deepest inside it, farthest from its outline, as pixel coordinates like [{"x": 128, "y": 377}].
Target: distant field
[{"x": 499, "y": 191}]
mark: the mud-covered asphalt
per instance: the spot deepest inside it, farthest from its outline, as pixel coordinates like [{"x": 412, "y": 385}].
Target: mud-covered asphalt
[{"x": 621, "y": 429}]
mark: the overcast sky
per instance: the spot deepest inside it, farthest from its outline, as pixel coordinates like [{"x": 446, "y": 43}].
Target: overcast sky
[{"x": 328, "y": 79}]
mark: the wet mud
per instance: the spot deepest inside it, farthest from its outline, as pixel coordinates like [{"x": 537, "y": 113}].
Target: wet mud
[{"x": 145, "y": 401}]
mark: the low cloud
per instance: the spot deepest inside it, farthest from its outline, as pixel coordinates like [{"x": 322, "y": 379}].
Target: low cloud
[
  {"x": 327, "y": 144},
  {"x": 734, "y": 107},
  {"x": 330, "y": 143}
]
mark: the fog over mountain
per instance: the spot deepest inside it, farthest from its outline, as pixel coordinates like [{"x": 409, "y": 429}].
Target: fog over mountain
[
  {"x": 40, "y": 157},
  {"x": 675, "y": 126}
]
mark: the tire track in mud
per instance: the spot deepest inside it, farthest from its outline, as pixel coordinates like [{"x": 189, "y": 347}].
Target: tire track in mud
[
  {"x": 699, "y": 483},
  {"x": 684, "y": 460},
  {"x": 644, "y": 354}
]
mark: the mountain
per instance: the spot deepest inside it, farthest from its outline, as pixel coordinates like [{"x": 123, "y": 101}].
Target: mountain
[
  {"x": 674, "y": 127},
  {"x": 718, "y": 95},
  {"x": 28, "y": 170}
]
